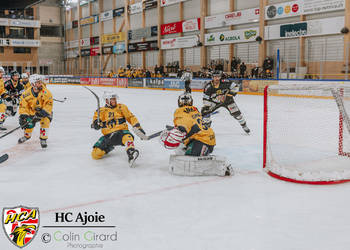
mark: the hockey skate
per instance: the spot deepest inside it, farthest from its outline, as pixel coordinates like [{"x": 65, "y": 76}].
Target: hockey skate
[
  {"x": 229, "y": 170},
  {"x": 23, "y": 139},
  {"x": 2, "y": 127},
  {"x": 43, "y": 143},
  {"x": 132, "y": 154},
  {"x": 246, "y": 129}
]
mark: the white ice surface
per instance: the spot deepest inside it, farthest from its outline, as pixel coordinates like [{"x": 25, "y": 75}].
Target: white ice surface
[{"x": 154, "y": 210}]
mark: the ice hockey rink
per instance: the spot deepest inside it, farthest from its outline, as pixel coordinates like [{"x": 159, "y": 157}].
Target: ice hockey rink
[{"x": 154, "y": 210}]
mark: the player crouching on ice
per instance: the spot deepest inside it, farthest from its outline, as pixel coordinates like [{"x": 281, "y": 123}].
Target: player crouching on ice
[
  {"x": 199, "y": 142},
  {"x": 36, "y": 106},
  {"x": 219, "y": 93},
  {"x": 112, "y": 120}
]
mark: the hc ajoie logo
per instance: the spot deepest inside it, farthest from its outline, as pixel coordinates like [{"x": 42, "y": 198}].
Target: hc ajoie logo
[
  {"x": 21, "y": 224},
  {"x": 84, "y": 218}
]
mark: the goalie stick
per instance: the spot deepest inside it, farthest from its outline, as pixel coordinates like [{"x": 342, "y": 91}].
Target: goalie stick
[
  {"x": 341, "y": 107},
  {"x": 98, "y": 104},
  {"x": 3, "y": 158}
]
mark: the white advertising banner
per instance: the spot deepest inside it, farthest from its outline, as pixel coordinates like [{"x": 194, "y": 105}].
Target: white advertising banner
[
  {"x": 190, "y": 25},
  {"x": 24, "y": 43},
  {"x": 179, "y": 42},
  {"x": 232, "y": 36},
  {"x": 24, "y": 23},
  {"x": 107, "y": 15},
  {"x": 232, "y": 18},
  {"x": 302, "y": 7},
  {"x": 170, "y": 2},
  {"x": 326, "y": 26},
  {"x": 4, "y": 42},
  {"x": 135, "y": 8},
  {"x": 318, "y": 6},
  {"x": 282, "y": 10},
  {"x": 85, "y": 42},
  {"x": 4, "y": 22},
  {"x": 73, "y": 44}
]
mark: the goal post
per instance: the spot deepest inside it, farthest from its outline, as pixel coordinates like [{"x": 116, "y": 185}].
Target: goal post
[{"x": 307, "y": 132}]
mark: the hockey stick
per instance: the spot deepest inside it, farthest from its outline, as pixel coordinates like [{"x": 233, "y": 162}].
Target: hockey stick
[
  {"x": 341, "y": 108},
  {"x": 98, "y": 104},
  {"x": 168, "y": 127},
  {"x": 10, "y": 132},
  {"x": 3, "y": 158},
  {"x": 64, "y": 99}
]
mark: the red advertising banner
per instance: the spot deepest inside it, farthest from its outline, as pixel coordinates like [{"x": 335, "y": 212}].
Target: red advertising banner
[
  {"x": 122, "y": 82},
  {"x": 94, "y": 51},
  {"x": 179, "y": 27}
]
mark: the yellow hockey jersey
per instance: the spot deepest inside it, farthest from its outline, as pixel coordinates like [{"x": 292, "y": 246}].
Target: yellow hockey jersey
[
  {"x": 114, "y": 119},
  {"x": 30, "y": 101},
  {"x": 2, "y": 87},
  {"x": 190, "y": 119}
]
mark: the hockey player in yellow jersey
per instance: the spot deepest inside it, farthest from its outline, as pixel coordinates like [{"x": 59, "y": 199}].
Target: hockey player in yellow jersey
[
  {"x": 2, "y": 104},
  {"x": 25, "y": 81},
  {"x": 195, "y": 158},
  {"x": 36, "y": 106},
  {"x": 112, "y": 120},
  {"x": 198, "y": 139}
]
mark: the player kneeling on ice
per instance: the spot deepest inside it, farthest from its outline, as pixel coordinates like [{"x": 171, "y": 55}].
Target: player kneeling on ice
[
  {"x": 198, "y": 141},
  {"x": 219, "y": 93},
  {"x": 112, "y": 120},
  {"x": 35, "y": 106}
]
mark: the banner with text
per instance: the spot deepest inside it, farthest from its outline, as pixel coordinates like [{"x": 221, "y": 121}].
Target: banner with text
[
  {"x": 170, "y": 2},
  {"x": 112, "y": 38},
  {"x": 326, "y": 26},
  {"x": 107, "y": 15},
  {"x": 232, "y": 18},
  {"x": 143, "y": 46},
  {"x": 143, "y": 33},
  {"x": 180, "y": 27},
  {"x": 179, "y": 42},
  {"x": 232, "y": 36}
]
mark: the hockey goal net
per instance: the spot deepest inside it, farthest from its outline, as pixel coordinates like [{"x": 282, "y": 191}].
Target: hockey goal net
[{"x": 307, "y": 132}]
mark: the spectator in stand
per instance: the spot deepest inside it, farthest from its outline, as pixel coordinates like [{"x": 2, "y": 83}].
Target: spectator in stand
[
  {"x": 254, "y": 72},
  {"x": 148, "y": 74},
  {"x": 267, "y": 67},
  {"x": 242, "y": 70}
]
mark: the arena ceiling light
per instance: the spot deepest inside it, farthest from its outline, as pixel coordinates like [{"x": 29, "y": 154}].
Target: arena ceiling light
[{"x": 18, "y": 4}]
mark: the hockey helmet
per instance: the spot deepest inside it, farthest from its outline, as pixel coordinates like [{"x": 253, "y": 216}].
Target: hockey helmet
[
  {"x": 24, "y": 76},
  {"x": 14, "y": 73},
  {"x": 217, "y": 73},
  {"x": 2, "y": 70},
  {"x": 185, "y": 99},
  {"x": 108, "y": 95}
]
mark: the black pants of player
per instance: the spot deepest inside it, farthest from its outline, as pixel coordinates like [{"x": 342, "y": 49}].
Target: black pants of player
[
  {"x": 107, "y": 142},
  {"x": 198, "y": 148},
  {"x": 187, "y": 86}
]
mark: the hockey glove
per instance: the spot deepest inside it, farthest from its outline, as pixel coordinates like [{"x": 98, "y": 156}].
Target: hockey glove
[
  {"x": 95, "y": 125},
  {"x": 41, "y": 113},
  {"x": 139, "y": 131},
  {"x": 27, "y": 122}
]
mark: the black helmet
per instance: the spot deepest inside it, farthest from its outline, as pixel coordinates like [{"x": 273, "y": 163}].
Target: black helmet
[
  {"x": 14, "y": 73},
  {"x": 185, "y": 99},
  {"x": 217, "y": 73}
]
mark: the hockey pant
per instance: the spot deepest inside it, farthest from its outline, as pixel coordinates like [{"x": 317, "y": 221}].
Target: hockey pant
[
  {"x": 232, "y": 108},
  {"x": 106, "y": 143},
  {"x": 198, "y": 148},
  {"x": 44, "y": 128},
  {"x": 187, "y": 86}
]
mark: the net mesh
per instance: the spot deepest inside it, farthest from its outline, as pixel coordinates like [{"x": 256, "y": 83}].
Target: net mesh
[{"x": 307, "y": 133}]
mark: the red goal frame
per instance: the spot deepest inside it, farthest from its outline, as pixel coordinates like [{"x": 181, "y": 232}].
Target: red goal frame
[{"x": 283, "y": 178}]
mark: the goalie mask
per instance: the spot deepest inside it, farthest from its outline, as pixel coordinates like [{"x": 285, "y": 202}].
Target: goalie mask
[
  {"x": 110, "y": 98},
  {"x": 185, "y": 99},
  {"x": 172, "y": 139}
]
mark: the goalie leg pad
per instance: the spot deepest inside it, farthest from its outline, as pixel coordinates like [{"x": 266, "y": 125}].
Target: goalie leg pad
[{"x": 199, "y": 166}]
